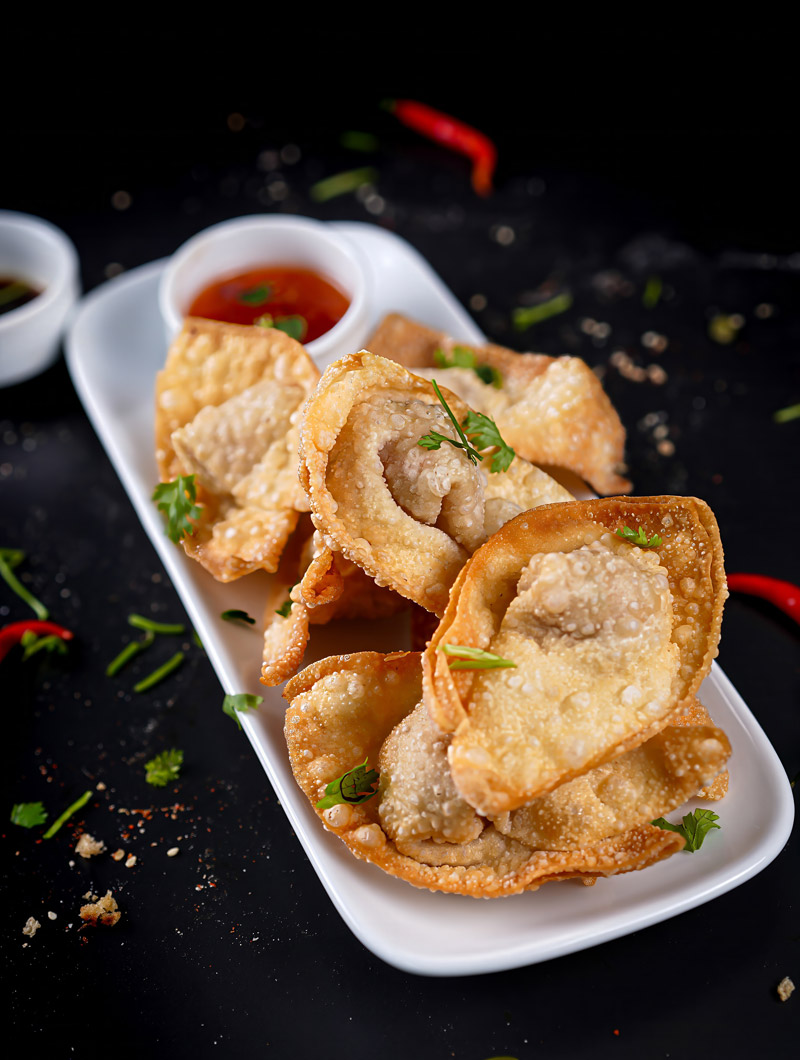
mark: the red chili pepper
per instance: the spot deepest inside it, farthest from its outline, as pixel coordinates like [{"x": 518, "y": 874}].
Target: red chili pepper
[
  {"x": 784, "y": 595},
  {"x": 452, "y": 133},
  {"x": 12, "y": 634}
]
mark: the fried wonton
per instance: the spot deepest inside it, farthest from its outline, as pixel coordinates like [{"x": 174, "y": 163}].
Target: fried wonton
[
  {"x": 408, "y": 515},
  {"x": 342, "y": 712},
  {"x": 551, "y": 410},
  {"x": 608, "y": 641},
  {"x": 227, "y": 409}
]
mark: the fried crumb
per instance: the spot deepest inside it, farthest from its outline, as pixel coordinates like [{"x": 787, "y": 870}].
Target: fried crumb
[
  {"x": 785, "y": 988},
  {"x": 104, "y": 912},
  {"x": 118, "y": 855},
  {"x": 51, "y": 915},
  {"x": 87, "y": 846},
  {"x": 32, "y": 926},
  {"x": 130, "y": 861},
  {"x": 172, "y": 852}
]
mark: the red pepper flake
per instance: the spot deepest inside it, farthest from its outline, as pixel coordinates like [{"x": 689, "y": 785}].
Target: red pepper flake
[
  {"x": 617, "y": 1033},
  {"x": 451, "y": 133},
  {"x": 12, "y": 634},
  {"x": 784, "y": 595}
]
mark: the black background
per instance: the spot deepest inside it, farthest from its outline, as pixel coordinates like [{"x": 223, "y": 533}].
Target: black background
[{"x": 653, "y": 151}]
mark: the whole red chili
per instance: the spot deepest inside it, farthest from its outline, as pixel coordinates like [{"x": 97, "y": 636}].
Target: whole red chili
[
  {"x": 784, "y": 595},
  {"x": 452, "y": 133},
  {"x": 13, "y": 633}
]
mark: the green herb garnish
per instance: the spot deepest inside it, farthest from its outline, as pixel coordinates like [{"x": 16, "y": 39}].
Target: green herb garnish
[
  {"x": 237, "y": 616},
  {"x": 792, "y": 412},
  {"x": 433, "y": 440},
  {"x": 176, "y": 500},
  {"x": 158, "y": 675},
  {"x": 355, "y": 786},
  {"x": 638, "y": 537},
  {"x": 28, "y": 814},
  {"x": 241, "y": 702},
  {"x": 128, "y": 652},
  {"x": 359, "y": 141},
  {"x": 285, "y": 608},
  {"x": 525, "y": 317},
  {"x": 482, "y": 430},
  {"x": 9, "y": 559},
  {"x": 463, "y": 357},
  {"x": 724, "y": 328},
  {"x": 294, "y": 326},
  {"x": 694, "y": 829},
  {"x": 32, "y": 642},
  {"x": 147, "y": 624},
  {"x": 342, "y": 183},
  {"x": 255, "y": 295},
  {"x": 652, "y": 292},
  {"x": 165, "y": 767},
  {"x": 465, "y": 658},
  {"x": 65, "y": 816}
]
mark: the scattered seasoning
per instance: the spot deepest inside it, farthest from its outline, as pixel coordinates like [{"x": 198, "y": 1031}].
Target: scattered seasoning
[
  {"x": 524, "y": 317},
  {"x": 652, "y": 292},
  {"x": 15, "y": 632},
  {"x": 342, "y": 183},
  {"x": 28, "y": 814},
  {"x": 130, "y": 861},
  {"x": 158, "y": 675},
  {"x": 128, "y": 652},
  {"x": 466, "y": 658},
  {"x": 451, "y": 133},
  {"x": 140, "y": 622},
  {"x": 78, "y": 804},
  {"x": 784, "y": 595},
  {"x": 9, "y": 559},
  {"x": 785, "y": 988},
  {"x": 118, "y": 855},
  {"x": 791, "y": 412}
]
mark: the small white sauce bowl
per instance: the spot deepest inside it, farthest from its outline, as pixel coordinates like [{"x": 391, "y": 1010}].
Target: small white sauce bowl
[
  {"x": 249, "y": 242},
  {"x": 41, "y": 254}
]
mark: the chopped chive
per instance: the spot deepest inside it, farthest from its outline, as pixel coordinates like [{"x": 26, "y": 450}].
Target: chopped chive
[
  {"x": 237, "y": 616},
  {"x": 197, "y": 640},
  {"x": 65, "y": 816},
  {"x": 652, "y": 292},
  {"x": 10, "y": 558},
  {"x": 140, "y": 622},
  {"x": 359, "y": 141},
  {"x": 525, "y": 317},
  {"x": 342, "y": 183},
  {"x": 792, "y": 412},
  {"x": 128, "y": 652},
  {"x": 160, "y": 673}
]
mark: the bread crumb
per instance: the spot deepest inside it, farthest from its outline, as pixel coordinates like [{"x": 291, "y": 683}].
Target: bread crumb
[
  {"x": 101, "y": 786},
  {"x": 172, "y": 852},
  {"x": 785, "y": 988},
  {"x": 118, "y": 855},
  {"x": 130, "y": 861},
  {"x": 87, "y": 846},
  {"x": 105, "y": 912},
  {"x": 32, "y": 926},
  {"x": 90, "y": 897},
  {"x": 52, "y": 916}
]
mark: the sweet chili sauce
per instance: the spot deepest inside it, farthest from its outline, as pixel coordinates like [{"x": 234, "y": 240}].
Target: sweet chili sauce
[
  {"x": 276, "y": 291},
  {"x": 14, "y": 293}
]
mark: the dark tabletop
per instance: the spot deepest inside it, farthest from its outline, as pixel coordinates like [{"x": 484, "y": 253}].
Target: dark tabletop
[{"x": 232, "y": 947}]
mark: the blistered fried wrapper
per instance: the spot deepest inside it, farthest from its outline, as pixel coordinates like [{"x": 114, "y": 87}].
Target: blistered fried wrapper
[
  {"x": 228, "y": 405},
  {"x": 609, "y": 641},
  {"x": 407, "y": 515},
  {"x": 552, "y": 410},
  {"x": 368, "y": 707}
]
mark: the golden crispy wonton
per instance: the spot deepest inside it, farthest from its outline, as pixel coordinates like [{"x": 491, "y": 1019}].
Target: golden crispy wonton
[
  {"x": 551, "y": 410},
  {"x": 227, "y": 408}
]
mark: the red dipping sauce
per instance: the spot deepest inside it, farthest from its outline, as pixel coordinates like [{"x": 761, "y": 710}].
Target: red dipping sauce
[{"x": 278, "y": 291}]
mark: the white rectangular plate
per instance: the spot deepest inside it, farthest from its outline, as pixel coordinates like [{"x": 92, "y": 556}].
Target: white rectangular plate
[{"x": 114, "y": 349}]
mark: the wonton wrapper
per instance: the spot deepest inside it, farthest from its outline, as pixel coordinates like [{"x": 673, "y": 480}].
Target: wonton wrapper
[
  {"x": 551, "y": 410},
  {"x": 227, "y": 406},
  {"x": 610, "y": 641},
  {"x": 696, "y": 714},
  {"x": 340, "y": 712},
  {"x": 365, "y": 475}
]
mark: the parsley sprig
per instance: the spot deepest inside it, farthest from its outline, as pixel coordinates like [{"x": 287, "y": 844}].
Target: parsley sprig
[
  {"x": 462, "y": 657},
  {"x": 355, "y": 786},
  {"x": 639, "y": 537},
  {"x": 476, "y": 427},
  {"x": 463, "y": 357},
  {"x": 166, "y": 766},
  {"x": 694, "y": 829},
  {"x": 240, "y": 703},
  {"x": 28, "y": 814},
  {"x": 176, "y": 500}
]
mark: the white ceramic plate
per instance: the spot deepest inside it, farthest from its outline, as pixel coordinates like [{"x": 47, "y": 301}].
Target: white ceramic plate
[{"x": 114, "y": 349}]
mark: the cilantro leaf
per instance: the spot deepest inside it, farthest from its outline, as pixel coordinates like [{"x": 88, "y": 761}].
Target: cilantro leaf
[
  {"x": 255, "y": 295},
  {"x": 232, "y": 705},
  {"x": 295, "y": 325},
  {"x": 31, "y": 643},
  {"x": 355, "y": 786},
  {"x": 166, "y": 766},
  {"x": 465, "y": 658},
  {"x": 28, "y": 814},
  {"x": 694, "y": 829},
  {"x": 482, "y": 430},
  {"x": 237, "y": 616},
  {"x": 176, "y": 500},
  {"x": 463, "y": 357},
  {"x": 434, "y": 440},
  {"x": 639, "y": 538}
]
